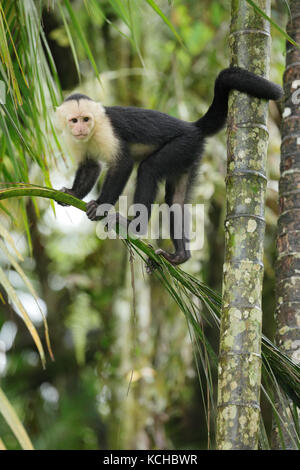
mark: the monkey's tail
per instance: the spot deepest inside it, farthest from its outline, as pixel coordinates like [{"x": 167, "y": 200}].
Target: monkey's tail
[{"x": 234, "y": 78}]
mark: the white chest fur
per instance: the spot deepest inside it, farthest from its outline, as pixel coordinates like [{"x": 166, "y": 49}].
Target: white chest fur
[{"x": 103, "y": 145}]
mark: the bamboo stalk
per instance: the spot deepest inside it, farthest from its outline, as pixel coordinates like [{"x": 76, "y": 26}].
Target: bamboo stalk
[
  {"x": 240, "y": 342},
  {"x": 288, "y": 242}
]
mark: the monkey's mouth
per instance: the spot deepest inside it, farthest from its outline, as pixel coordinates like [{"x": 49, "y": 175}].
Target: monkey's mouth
[{"x": 80, "y": 136}]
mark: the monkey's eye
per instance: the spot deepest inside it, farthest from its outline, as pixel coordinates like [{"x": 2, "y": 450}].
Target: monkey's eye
[
  {"x": 86, "y": 119},
  {"x": 74, "y": 120}
]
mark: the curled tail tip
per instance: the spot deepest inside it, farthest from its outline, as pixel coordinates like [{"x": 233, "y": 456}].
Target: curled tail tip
[
  {"x": 271, "y": 91},
  {"x": 277, "y": 92},
  {"x": 238, "y": 78}
]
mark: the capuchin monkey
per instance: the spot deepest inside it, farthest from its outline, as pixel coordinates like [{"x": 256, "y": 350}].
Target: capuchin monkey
[{"x": 164, "y": 147}]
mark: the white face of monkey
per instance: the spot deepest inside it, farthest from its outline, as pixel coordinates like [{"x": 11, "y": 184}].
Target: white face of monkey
[
  {"x": 80, "y": 126},
  {"x": 85, "y": 127},
  {"x": 77, "y": 118}
]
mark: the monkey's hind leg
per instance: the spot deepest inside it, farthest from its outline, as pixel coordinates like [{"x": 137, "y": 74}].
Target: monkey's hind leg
[
  {"x": 176, "y": 163},
  {"x": 176, "y": 193},
  {"x": 176, "y": 196}
]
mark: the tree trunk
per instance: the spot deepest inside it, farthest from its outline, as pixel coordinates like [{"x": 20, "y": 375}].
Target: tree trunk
[
  {"x": 240, "y": 343},
  {"x": 288, "y": 261}
]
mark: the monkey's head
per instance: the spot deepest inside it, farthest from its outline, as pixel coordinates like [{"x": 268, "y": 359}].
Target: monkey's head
[{"x": 77, "y": 116}]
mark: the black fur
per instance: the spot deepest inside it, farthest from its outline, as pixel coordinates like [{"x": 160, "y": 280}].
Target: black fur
[
  {"x": 116, "y": 178},
  {"x": 145, "y": 126},
  {"x": 77, "y": 97},
  {"x": 86, "y": 176},
  {"x": 177, "y": 147}
]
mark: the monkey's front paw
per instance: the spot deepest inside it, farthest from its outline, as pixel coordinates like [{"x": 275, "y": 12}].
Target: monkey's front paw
[
  {"x": 67, "y": 191},
  {"x": 174, "y": 258},
  {"x": 91, "y": 210}
]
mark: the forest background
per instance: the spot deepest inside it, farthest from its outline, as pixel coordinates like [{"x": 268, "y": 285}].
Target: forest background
[{"x": 126, "y": 373}]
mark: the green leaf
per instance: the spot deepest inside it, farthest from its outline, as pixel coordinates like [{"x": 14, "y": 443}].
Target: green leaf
[
  {"x": 30, "y": 288},
  {"x": 14, "y": 297},
  {"x": 165, "y": 19},
  {"x": 14, "y": 423},
  {"x": 264, "y": 15},
  {"x": 81, "y": 36}
]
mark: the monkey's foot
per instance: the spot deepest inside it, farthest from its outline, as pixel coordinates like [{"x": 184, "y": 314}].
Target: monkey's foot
[
  {"x": 151, "y": 265},
  {"x": 67, "y": 191},
  {"x": 174, "y": 258}
]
